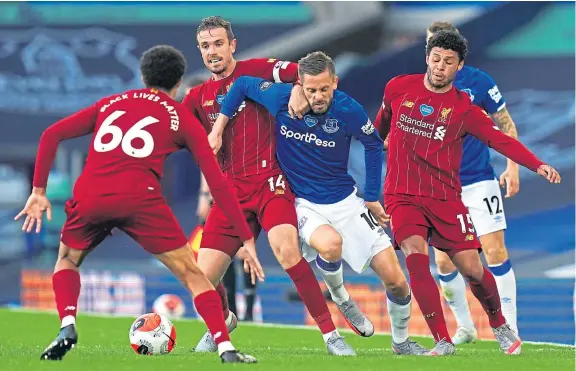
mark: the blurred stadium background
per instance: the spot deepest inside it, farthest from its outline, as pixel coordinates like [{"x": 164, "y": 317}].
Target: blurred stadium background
[{"x": 57, "y": 57}]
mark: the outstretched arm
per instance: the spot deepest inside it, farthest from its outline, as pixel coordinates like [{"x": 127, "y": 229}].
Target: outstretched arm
[
  {"x": 76, "y": 125},
  {"x": 264, "y": 92},
  {"x": 480, "y": 125}
]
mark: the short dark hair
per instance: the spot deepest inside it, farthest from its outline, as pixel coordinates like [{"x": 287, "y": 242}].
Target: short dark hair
[
  {"x": 162, "y": 67},
  {"x": 213, "y": 22},
  {"x": 441, "y": 26},
  {"x": 315, "y": 63},
  {"x": 449, "y": 40}
]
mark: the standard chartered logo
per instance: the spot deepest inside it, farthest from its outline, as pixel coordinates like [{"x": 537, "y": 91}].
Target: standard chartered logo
[
  {"x": 420, "y": 127},
  {"x": 306, "y": 137}
]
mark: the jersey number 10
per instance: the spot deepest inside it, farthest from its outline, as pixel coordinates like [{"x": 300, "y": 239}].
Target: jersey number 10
[
  {"x": 125, "y": 139},
  {"x": 370, "y": 219}
]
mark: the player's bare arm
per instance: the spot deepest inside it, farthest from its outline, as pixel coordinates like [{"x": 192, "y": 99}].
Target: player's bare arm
[
  {"x": 510, "y": 177},
  {"x": 505, "y": 122}
]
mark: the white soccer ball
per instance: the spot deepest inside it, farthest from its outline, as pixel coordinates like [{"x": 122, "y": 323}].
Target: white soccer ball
[
  {"x": 152, "y": 334},
  {"x": 169, "y": 305}
]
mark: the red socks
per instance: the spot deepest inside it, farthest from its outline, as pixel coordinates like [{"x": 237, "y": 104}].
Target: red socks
[
  {"x": 425, "y": 291},
  {"x": 221, "y": 290},
  {"x": 209, "y": 306},
  {"x": 487, "y": 294},
  {"x": 66, "y": 285},
  {"x": 309, "y": 290}
]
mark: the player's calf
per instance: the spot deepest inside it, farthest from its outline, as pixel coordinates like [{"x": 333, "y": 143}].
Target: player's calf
[
  {"x": 423, "y": 285},
  {"x": 66, "y": 285},
  {"x": 483, "y": 287},
  {"x": 328, "y": 243},
  {"x": 398, "y": 301},
  {"x": 501, "y": 266},
  {"x": 206, "y": 300}
]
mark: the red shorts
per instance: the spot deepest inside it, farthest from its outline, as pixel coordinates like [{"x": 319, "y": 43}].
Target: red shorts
[
  {"x": 446, "y": 224},
  {"x": 147, "y": 219},
  {"x": 266, "y": 200}
]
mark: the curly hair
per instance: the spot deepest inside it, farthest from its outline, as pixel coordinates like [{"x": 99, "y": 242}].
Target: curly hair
[
  {"x": 449, "y": 40},
  {"x": 162, "y": 67}
]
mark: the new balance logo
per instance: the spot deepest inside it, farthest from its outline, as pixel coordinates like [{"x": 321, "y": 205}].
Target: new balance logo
[
  {"x": 70, "y": 307},
  {"x": 440, "y": 133}
]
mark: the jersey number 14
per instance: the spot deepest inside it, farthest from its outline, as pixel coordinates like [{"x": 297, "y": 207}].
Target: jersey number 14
[
  {"x": 125, "y": 139},
  {"x": 279, "y": 183}
]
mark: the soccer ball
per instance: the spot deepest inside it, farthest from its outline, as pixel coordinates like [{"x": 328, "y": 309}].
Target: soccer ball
[
  {"x": 152, "y": 334},
  {"x": 169, "y": 305}
]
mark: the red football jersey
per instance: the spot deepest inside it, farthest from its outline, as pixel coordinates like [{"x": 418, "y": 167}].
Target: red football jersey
[
  {"x": 248, "y": 144},
  {"x": 426, "y": 131},
  {"x": 133, "y": 133}
]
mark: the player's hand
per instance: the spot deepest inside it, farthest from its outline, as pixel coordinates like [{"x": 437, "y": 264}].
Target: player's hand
[
  {"x": 34, "y": 209},
  {"x": 378, "y": 212},
  {"x": 215, "y": 141},
  {"x": 549, "y": 173},
  {"x": 298, "y": 104},
  {"x": 386, "y": 142},
  {"x": 510, "y": 179},
  {"x": 251, "y": 262}
]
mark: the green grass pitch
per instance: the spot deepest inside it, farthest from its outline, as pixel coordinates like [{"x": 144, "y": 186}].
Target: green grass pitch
[{"x": 104, "y": 345}]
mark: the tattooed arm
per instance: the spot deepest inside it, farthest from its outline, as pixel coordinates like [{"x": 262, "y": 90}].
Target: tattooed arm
[
  {"x": 505, "y": 122},
  {"x": 510, "y": 177}
]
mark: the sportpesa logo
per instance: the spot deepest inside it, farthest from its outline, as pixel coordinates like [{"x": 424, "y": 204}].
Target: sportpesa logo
[{"x": 306, "y": 137}]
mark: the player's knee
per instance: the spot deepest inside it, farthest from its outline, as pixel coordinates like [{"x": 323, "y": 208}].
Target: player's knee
[
  {"x": 190, "y": 273},
  {"x": 494, "y": 248},
  {"x": 414, "y": 245},
  {"x": 67, "y": 256},
  {"x": 473, "y": 273},
  {"x": 284, "y": 243},
  {"x": 331, "y": 249},
  {"x": 444, "y": 263},
  {"x": 288, "y": 255},
  {"x": 397, "y": 286}
]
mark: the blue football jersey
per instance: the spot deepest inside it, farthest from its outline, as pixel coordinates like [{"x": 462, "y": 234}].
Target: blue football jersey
[
  {"x": 484, "y": 92},
  {"x": 313, "y": 152}
]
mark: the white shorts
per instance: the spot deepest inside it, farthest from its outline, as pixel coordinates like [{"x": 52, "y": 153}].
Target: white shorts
[
  {"x": 362, "y": 237},
  {"x": 484, "y": 203}
]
